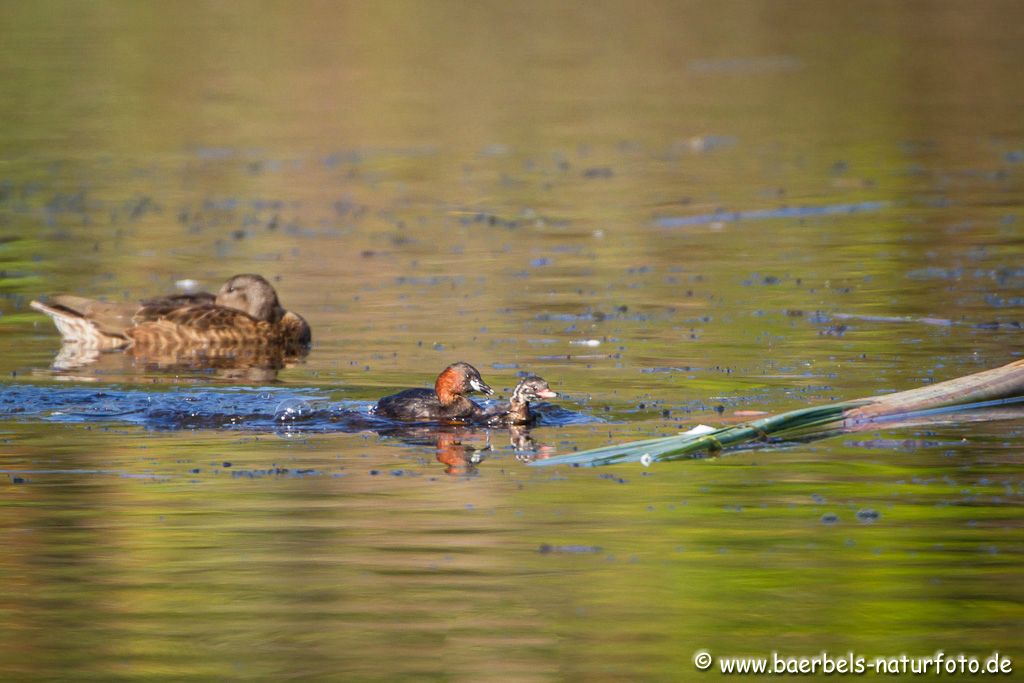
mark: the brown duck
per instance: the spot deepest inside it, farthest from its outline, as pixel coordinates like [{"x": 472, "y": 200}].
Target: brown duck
[{"x": 244, "y": 314}]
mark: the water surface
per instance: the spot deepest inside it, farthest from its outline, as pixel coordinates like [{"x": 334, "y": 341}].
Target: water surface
[{"x": 671, "y": 215}]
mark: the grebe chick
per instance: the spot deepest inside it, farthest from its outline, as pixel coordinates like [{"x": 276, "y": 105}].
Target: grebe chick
[
  {"x": 244, "y": 313},
  {"x": 446, "y": 401},
  {"x": 517, "y": 410}
]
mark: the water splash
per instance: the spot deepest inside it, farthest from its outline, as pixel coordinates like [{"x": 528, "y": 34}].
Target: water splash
[{"x": 270, "y": 409}]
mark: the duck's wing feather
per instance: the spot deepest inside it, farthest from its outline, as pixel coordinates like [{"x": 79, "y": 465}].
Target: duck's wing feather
[
  {"x": 153, "y": 309},
  {"x": 220, "y": 324},
  {"x": 116, "y": 318},
  {"x": 202, "y": 326},
  {"x": 74, "y": 327},
  {"x": 108, "y": 318}
]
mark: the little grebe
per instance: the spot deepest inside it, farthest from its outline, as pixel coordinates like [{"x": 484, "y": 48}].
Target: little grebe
[
  {"x": 244, "y": 313},
  {"x": 446, "y": 401},
  {"x": 517, "y": 410}
]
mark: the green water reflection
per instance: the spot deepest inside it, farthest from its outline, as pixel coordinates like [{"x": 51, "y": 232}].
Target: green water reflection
[
  {"x": 175, "y": 548},
  {"x": 430, "y": 182}
]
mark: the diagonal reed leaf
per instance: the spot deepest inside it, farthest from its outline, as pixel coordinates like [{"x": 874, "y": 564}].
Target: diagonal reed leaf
[{"x": 998, "y": 386}]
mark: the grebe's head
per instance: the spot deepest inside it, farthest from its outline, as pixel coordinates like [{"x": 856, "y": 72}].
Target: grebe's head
[
  {"x": 459, "y": 379},
  {"x": 253, "y": 295},
  {"x": 531, "y": 388}
]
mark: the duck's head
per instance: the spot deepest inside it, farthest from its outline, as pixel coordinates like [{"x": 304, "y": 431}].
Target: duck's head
[
  {"x": 532, "y": 388},
  {"x": 459, "y": 379},
  {"x": 253, "y": 295}
]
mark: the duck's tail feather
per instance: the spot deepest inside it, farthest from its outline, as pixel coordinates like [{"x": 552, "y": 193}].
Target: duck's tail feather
[{"x": 76, "y": 328}]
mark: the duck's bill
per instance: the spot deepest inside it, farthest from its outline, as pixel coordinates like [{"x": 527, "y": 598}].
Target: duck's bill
[
  {"x": 478, "y": 385},
  {"x": 547, "y": 393}
]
